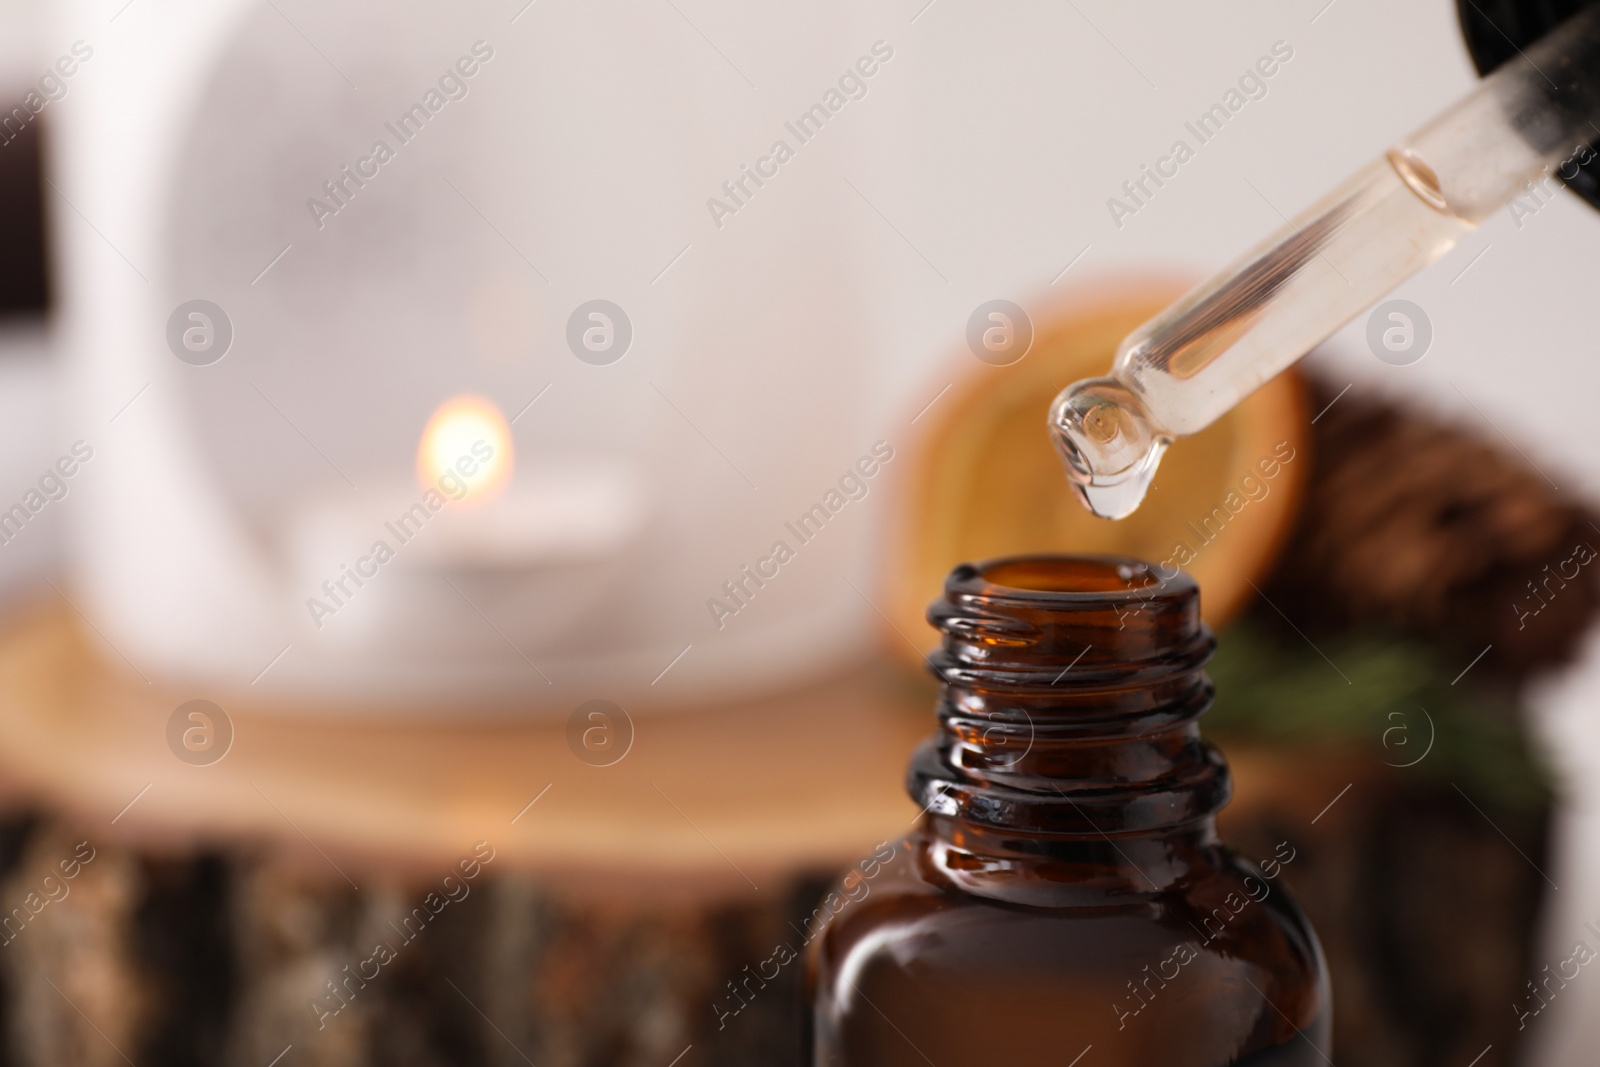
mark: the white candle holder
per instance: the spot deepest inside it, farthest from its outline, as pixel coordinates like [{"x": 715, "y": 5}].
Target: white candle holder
[{"x": 382, "y": 208}]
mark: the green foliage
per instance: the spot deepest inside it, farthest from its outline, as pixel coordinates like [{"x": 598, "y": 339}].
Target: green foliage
[{"x": 1379, "y": 690}]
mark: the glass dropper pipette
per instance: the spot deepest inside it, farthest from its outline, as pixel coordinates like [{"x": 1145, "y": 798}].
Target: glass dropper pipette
[{"x": 1191, "y": 364}]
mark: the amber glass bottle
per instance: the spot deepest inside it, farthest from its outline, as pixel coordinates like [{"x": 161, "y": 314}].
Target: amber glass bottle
[{"x": 1066, "y": 895}]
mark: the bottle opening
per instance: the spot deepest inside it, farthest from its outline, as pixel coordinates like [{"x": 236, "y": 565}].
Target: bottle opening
[{"x": 1074, "y": 574}]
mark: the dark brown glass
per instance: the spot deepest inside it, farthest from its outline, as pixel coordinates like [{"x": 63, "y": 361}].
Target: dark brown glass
[{"x": 1065, "y": 894}]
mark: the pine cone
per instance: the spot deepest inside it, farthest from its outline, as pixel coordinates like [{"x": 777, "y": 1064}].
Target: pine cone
[{"x": 1413, "y": 525}]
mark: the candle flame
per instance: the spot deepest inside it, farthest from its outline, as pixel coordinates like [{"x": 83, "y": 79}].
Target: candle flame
[{"x": 466, "y": 451}]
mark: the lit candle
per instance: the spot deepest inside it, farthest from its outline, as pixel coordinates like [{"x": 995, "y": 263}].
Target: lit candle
[
  {"x": 465, "y": 517},
  {"x": 466, "y": 444}
]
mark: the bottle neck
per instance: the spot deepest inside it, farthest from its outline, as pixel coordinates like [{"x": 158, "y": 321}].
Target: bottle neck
[
  {"x": 1068, "y": 749},
  {"x": 1045, "y": 871}
]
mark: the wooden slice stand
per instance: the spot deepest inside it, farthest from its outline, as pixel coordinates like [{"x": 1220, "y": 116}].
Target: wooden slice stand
[{"x": 709, "y": 798}]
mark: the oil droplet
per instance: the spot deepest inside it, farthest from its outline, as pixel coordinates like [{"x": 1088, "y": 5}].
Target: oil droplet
[{"x": 1117, "y": 500}]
